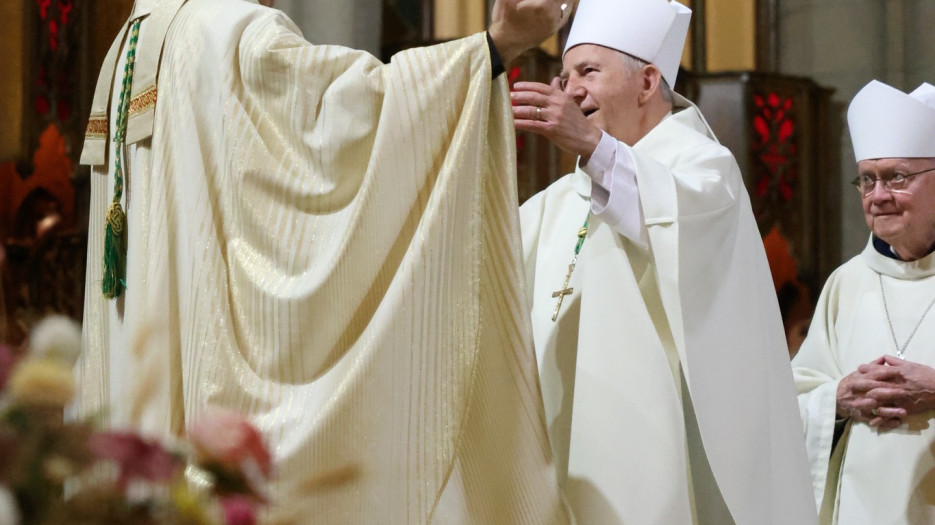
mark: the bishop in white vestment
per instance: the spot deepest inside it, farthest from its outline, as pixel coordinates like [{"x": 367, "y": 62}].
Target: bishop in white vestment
[
  {"x": 866, "y": 372},
  {"x": 666, "y": 381},
  {"x": 327, "y": 244}
]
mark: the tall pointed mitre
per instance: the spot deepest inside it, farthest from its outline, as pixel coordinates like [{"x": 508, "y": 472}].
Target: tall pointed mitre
[
  {"x": 887, "y": 123},
  {"x": 651, "y": 30}
]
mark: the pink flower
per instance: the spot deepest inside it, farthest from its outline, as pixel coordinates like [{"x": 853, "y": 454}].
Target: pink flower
[
  {"x": 225, "y": 438},
  {"x": 137, "y": 458},
  {"x": 238, "y": 510}
]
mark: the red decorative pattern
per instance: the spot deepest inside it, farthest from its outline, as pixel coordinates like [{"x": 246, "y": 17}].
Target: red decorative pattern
[
  {"x": 53, "y": 35},
  {"x": 514, "y": 75},
  {"x": 54, "y": 94},
  {"x": 774, "y": 148},
  {"x": 64, "y": 8},
  {"x": 44, "y": 8}
]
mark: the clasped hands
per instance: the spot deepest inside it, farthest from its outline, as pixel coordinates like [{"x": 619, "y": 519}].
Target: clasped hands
[{"x": 883, "y": 392}]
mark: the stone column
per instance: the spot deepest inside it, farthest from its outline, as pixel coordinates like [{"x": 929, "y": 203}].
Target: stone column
[
  {"x": 843, "y": 44},
  {"x": 352, "y": 23},
  {"x": 919, "y": 42}
]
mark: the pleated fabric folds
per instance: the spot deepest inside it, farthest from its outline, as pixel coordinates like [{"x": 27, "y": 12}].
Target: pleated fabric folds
[{"x": 331, "y": 246}]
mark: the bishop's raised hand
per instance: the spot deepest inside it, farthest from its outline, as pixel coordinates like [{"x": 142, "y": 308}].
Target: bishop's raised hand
[{"x": 518, "y": 25}]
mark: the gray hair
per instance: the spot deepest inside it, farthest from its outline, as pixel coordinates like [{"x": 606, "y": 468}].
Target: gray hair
[{"x": 635, "y": 65}]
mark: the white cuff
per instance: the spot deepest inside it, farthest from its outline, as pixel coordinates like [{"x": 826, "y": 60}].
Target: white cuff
[
  {"x": 615, "y": 195},
  {"x": 600, "y": 168}
]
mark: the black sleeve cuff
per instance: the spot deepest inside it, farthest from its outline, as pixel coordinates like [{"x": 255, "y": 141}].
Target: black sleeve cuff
[{"x": 496, "y": 63}]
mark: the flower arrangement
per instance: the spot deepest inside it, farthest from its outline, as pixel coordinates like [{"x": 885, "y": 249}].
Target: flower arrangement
[{"x": 53, "y": 471}]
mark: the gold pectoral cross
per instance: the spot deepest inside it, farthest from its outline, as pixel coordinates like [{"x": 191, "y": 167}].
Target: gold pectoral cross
[
  {"x": 565, "y": 290},
  {"x": 560, "y": 294}
]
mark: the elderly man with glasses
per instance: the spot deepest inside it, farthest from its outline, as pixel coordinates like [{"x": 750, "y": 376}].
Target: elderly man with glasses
[{"x": 866, "y": 373}]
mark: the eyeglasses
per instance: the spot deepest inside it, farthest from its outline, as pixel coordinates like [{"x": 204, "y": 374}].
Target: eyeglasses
[{"x": 898, "y": 183}]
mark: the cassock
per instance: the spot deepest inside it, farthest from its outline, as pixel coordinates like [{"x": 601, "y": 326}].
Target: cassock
[
  {"x": 330, "y": 246},
  {"x": 666, "y": 381},
  {"x": 867, "y": 476}
]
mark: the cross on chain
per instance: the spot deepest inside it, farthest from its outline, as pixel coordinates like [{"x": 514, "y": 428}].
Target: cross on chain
[{"x": 560, "y": 294}]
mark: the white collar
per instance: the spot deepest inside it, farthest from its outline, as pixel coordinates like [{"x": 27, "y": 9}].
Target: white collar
[{"x": 905, "y": 270}]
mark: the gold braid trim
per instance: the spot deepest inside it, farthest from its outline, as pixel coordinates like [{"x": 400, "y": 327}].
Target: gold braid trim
[
  {"x": 143, "y": 101},
  {"x": 97, "y": 128}
]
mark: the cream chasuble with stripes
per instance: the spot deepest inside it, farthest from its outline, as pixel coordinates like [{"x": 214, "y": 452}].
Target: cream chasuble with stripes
[{"x": 331, "y": 246}]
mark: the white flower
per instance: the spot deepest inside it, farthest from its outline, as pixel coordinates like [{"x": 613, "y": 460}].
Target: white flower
[
  {"x": 42, "y": 382},
  {"x": 8, "y": 510},
  {"x": 56, "y": 337}
]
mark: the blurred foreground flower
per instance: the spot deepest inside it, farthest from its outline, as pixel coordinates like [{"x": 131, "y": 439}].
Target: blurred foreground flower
[
  {"x": 42, "y": 382},
  {"x": 56, "y": 337},
  {"x": 233, "y": 454},
  {"x": 136, "y": 458},
  {"x": 113, "y": 477},
  {"x": 232, "y": 450},
  {"x": 9, "y": 515},
  {"x": 223, "y": 436},
  {"x": 239, "y": 510}
]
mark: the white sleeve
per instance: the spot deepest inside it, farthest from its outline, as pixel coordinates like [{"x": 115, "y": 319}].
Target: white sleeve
[{"x": 615, "y": 197}]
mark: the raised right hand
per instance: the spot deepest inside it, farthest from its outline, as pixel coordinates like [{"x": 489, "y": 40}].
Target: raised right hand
[{"x": 518, "y": 25}]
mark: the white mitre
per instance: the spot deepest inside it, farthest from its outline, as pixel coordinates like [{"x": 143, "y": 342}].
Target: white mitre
[
  {"x": 887, "y": 123},
  {"x": 651, "y": 30}
]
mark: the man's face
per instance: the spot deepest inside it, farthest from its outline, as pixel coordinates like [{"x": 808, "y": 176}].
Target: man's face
[
  {"x": 900, "y": 218},
  {"x": 604, "y": 89}
]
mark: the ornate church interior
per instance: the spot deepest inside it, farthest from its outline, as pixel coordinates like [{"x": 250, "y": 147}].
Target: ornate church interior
[
  {"x": 772, "y": 76},
  {"x": 434, "y": 362}
]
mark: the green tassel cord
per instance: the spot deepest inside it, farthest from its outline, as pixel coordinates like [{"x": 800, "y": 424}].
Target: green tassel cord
[
  {"x": 115, "y": 249},
  {"x": 115, "y": 227}
]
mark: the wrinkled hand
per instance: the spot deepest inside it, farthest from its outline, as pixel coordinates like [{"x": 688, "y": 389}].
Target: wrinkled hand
[
  {"x": 909, "y": 386},
  {"x": 554, "y": 114},
  {"x": 518, "y": 25},
  {"x": 855, "y": 403}
]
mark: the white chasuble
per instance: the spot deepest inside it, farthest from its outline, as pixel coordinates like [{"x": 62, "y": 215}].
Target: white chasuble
[
  {"x": 869, "y": 477},
  {"x": 329, "y": 245},
  {"x": 666, "y": 383}
]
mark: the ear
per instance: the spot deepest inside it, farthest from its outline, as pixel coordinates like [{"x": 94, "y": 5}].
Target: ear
[{"x": 650, "y": 83}]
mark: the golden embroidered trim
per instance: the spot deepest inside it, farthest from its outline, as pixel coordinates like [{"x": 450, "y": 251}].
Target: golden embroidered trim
[
  {"x": 143, "y": 101},
  {"x": 97, "y": 128}
]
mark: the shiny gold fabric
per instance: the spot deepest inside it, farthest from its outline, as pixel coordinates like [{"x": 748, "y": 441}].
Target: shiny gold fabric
[{"x": 331, "y": 246}]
